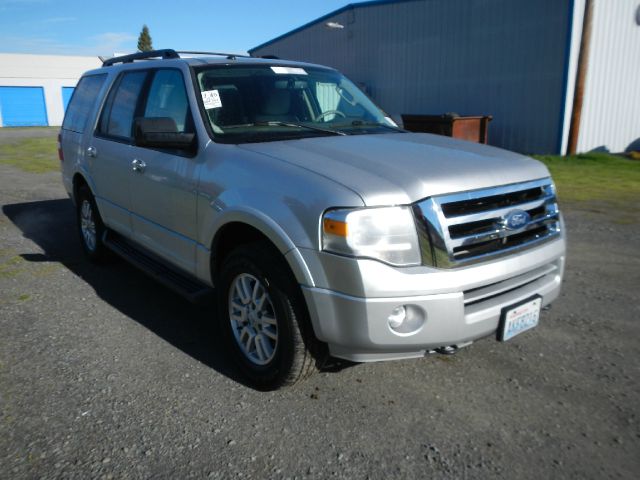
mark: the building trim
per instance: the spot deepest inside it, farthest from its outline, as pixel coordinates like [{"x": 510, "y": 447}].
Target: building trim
[
  {"x": 572, "y": 71},
  {"x": 565, "y": 78}
]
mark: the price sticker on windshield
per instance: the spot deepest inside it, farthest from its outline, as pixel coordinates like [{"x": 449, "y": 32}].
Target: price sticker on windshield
[{"x": 211, "y": 99}]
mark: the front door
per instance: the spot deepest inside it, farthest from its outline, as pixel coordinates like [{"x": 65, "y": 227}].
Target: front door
[{"x": 163, "y": 186}]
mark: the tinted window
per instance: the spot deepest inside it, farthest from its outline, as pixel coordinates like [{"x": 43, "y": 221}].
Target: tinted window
[
  {"x": 117, "y": 116},
  {"x": 168, "y": 98},
  {"x": 82, "y": 102}
]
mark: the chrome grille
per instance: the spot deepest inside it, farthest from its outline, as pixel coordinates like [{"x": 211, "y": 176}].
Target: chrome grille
[{"x": 472, "y": 226}]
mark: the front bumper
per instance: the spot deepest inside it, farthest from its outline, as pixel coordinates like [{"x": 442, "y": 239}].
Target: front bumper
[{"x": 458, "y": 306}]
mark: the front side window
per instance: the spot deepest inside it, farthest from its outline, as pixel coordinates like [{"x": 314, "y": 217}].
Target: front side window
[
  {"x": 168, "y": 99},
  {"x": 266, "y": 102},
  {"x": 117, "y": 116}
]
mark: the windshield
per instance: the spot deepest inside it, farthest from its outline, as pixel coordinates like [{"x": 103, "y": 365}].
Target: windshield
[{"x": 261, "y": 103}]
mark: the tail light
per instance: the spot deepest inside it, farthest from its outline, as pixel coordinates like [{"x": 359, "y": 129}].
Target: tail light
[{"x": 60, "y": 154}]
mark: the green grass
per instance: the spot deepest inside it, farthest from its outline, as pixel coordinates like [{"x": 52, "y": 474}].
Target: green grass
[
  {"x": 596, "y": 178},
  {"x": 10, "y": 267},
  {"x": 32, "y": 155}
]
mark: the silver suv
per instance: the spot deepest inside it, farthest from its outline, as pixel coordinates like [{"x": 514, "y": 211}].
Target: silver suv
[{"x": 326, "y": 230}]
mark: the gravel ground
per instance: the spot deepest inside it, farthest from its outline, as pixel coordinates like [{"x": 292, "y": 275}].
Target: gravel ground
[{"x": 106, "y": 374}]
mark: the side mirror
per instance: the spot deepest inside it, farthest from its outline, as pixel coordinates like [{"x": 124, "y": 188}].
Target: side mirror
[{"x": 161, "y": 132}]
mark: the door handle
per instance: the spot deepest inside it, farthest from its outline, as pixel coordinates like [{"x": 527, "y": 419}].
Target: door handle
[
  {"x": 138, "y": 165},
  {"x": 92, "y": 152}
]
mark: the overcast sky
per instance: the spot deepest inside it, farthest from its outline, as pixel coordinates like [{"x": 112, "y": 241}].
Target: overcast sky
[{"x": 71, "y": 27}]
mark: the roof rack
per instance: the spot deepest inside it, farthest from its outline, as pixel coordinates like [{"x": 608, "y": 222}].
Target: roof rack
[
  {"x": 164, "y": 54},
  {"x": 230, "y": 56}
]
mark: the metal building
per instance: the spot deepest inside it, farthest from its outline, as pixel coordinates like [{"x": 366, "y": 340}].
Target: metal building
[
  {"x": 514, "y": 59},
  {"x": 35, "y": 89}
]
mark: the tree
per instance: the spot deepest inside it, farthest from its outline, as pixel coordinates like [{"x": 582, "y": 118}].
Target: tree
[{"x": 144, "y": 40}]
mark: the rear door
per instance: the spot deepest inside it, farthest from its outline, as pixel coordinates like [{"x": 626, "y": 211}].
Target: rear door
[
  {"x": 163, "y": 188},
  {"x": 110, "y": 150}
]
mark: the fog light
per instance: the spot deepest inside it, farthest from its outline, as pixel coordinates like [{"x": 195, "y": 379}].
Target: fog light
[
  {"x": 397, "y": 317},
  {"x": 406, "y": 320}
]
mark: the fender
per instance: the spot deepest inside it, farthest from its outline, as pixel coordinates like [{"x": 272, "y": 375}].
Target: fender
[{"x": 264, "y": 224}]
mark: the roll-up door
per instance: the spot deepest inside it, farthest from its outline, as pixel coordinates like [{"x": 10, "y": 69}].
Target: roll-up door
[
  {"x": 66, "y": 96},
  {"x": 22, "y": 107}
]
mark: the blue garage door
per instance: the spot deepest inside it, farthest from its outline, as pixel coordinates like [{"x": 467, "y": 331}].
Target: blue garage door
[
  {"x": 22, "y": 107},
  {"x": 66, "y": 96}
]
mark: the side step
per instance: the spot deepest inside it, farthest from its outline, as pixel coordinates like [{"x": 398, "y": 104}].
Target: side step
[{"x": 181, "y": 283}]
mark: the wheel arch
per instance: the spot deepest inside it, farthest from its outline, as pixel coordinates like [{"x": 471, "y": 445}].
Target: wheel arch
[
  {"x": 80, "y": 180},
  {"x": 244, "y": 226}
]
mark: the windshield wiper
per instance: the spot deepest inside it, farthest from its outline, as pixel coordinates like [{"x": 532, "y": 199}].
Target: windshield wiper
[
  {"x": 278, "y": 123},
  {"x": 360, "y": 123}
]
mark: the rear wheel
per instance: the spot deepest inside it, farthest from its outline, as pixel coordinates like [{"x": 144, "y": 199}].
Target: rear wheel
[
  {"x": 263, "y": 317},
  {"x": 90, "y": 226}
]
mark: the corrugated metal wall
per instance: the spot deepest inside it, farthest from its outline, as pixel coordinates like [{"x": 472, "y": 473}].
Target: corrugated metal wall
[
  {"x": 506, "y": 58},
  {"x": 611, "y": 110}
]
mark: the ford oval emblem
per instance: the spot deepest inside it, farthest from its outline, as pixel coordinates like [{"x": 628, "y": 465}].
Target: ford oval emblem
[{"x": 516, "y": 219}]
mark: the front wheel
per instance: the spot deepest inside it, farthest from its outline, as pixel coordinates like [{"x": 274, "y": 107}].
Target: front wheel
[{"x": 263, "y": 317}]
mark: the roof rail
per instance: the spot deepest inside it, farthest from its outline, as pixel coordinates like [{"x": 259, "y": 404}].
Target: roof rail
[
  {"x": 164, "y": 54},
  {"x": 230, "y": 56}
]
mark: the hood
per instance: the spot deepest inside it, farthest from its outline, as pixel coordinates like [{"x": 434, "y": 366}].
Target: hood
[{"x": 401, "y": 168}]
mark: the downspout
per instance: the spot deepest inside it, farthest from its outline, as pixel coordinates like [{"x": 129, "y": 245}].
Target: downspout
[{"x": 583, "y": 65}]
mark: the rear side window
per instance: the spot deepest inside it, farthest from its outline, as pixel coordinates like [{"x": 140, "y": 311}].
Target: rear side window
[
  {"x": 82, "y": 101},
  {"x": 117, "y": 116}
]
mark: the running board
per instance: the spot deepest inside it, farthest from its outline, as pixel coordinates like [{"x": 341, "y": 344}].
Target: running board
[{"x": 184, "y": 285}]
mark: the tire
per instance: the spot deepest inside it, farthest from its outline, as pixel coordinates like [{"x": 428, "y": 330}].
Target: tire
[
  {"x": 90, "y": 227},
  {"x": 264, "y": 319}
]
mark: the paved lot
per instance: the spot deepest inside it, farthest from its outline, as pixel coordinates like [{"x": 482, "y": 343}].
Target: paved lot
[{"x": 105, "y": 374}]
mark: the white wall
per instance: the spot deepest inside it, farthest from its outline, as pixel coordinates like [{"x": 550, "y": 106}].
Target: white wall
[
  {"x": 52, "y": 72},
  {"x": 611, "y": 110}
]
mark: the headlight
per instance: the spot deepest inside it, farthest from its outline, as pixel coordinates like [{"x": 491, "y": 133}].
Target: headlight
[{"x": 387, "y": 234}]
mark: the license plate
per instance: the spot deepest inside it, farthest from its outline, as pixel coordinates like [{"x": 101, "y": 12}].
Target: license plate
[{"x": 519, "y": 318}]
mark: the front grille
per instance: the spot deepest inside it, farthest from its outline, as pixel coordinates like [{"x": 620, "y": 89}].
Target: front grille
[
  {"x": 473, "y": 226},
  {"x": 465, "y": 207}
]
